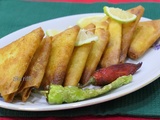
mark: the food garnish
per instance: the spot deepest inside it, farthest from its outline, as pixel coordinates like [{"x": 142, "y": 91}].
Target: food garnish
[
  {"x": 107, "y": 75},
  {"x": 119, "y": 14},
  {"x": 58, "y": 94}
]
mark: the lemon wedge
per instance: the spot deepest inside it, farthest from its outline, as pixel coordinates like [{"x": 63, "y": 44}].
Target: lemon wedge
[
  {"x": 119, "y": 14},
  {"x": 85, "y": 37},
  {"x": 82, "y": 22},
  {"x": 52, "y": 32}
]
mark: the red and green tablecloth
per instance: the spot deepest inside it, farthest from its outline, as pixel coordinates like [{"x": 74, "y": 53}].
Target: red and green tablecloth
[{"x": 143, "y": 104}]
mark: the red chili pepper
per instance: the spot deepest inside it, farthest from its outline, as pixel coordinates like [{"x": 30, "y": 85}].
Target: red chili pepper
[{"x": 107, "y": 75}]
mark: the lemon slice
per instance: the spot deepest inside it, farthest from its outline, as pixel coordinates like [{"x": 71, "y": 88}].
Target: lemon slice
[
  {"x": 52, "y": 32},
  {"x": 82, "y": 22},
  {"x": 119, "y": 14},
  {"x": 85, "y": 37}
]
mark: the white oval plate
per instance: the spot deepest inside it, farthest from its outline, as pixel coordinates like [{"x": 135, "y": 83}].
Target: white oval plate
[{"x": 149, "y": 71}]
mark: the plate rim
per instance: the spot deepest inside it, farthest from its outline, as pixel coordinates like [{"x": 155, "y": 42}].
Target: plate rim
[{"x": 79, "y": 104}]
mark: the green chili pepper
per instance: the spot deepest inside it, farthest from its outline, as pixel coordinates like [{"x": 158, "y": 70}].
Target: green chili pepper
[{"x": 58, "y": 94}]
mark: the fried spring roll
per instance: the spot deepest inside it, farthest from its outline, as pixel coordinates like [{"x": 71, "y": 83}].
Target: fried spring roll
[
  {"x": 62, "y": 48},
  {"x": 112, "y": 51},
  {"x": 128, "y": 30},
  {"x": 14, "y": 61},
  {"x": 144, "y": 37},
  {"x": 35, "y": 72},
  {"x": 97, "y": 50},
  {"x": 26, "y": 93},
  {"x": 78, "y": 61}
]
